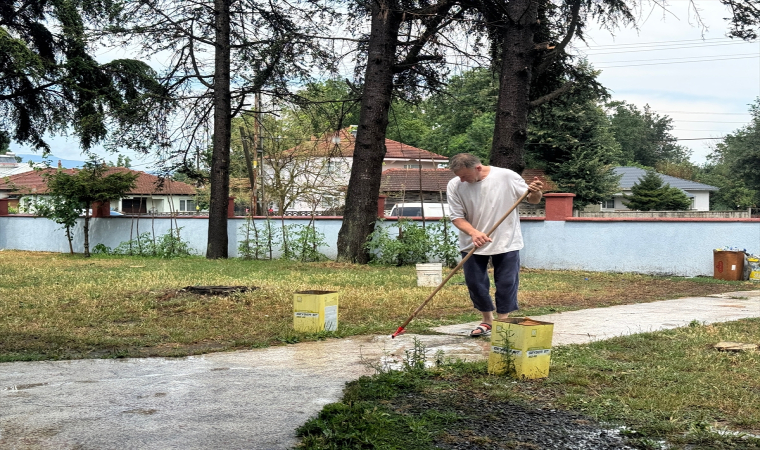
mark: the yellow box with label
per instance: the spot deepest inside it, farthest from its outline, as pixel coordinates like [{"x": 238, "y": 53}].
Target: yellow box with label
[
  {"x": 315, "y": 311},
  {"x": 521, "y": 347},
  {"x": 754, "y": 268}
]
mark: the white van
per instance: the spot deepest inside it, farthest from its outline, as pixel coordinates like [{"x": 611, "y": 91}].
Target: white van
[{"x": 415, "y": 210}]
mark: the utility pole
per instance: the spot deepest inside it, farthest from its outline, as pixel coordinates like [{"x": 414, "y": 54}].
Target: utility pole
[
  {"x": 251, "y": 172},
  {"x": 260, "y": 152}
]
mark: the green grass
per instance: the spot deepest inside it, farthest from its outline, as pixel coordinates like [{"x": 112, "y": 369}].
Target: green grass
[
  {"x": 57, "y": 306},
  {"x": 670, "y": 386}
]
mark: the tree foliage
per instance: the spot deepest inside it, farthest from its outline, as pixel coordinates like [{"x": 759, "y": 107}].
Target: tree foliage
[
  {"x": 74, "y": 194},
  {"x": 650, "y": 194},
  {"x": 644, "y": 136},
  {"x": 401, "y": 52},
  {"x": 220, "y": 54},
  {"x": 51, "y": 83},
  {"x": 737, "y": 159}
]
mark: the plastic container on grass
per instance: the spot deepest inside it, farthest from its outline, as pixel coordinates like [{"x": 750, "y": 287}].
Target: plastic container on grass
[
  {"x": 728, "y": 265},
  {"x": 315, "y": 311}
]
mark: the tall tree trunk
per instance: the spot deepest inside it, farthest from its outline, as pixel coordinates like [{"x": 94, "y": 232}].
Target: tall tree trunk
[
  {"x": 86, "y": 234},
  {"x": 220, "y": 157},
  {"x": 70, "y": 238},
  {"x": 360, "y": 213},
  {"x": 512, "y": 108}
]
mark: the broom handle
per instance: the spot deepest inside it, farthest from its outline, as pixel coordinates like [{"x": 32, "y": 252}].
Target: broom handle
[{"x": 461, "y": 263}]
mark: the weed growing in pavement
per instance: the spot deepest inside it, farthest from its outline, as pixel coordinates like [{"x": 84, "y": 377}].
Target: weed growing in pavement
[{"x": 506, "y": 362}]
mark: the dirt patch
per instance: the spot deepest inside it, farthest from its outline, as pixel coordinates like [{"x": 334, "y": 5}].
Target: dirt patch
[{"x": 485, "y": 425}]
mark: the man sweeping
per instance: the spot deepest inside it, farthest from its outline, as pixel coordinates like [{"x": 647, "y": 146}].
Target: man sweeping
[{"x": 478, "y": 198}]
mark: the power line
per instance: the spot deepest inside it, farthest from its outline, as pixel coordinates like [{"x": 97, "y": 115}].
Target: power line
[
  {"x": 676, "y": 62},
  {"x": 636, "y": 44},
  {"x": 699, "y": 139},
  {"x": 703, "y": 121},
  {"x": 754, "y": 55},
  {"x": 704, "y": 112},
  {"x": 654, "y": 49}
]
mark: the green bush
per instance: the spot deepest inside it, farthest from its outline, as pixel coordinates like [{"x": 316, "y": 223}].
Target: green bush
[
  {"x": 301, "y": 243},
  {"x": 414, "y": 244},
  {"x": 257, "y": 239},
  {"x": 168, "y": 245},
  {"x": 445, "y": 241}
]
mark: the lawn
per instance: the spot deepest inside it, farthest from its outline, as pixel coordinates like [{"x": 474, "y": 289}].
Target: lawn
[
  {"x": 57, "y": 306},
  {"x": 663, "y": 390}
]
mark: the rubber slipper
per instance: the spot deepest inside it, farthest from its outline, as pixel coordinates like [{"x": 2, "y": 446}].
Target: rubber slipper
[{"x": 484, "y": 329}]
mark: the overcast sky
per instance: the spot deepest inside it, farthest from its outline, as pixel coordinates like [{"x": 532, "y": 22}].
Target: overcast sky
[{"x": 700, "y": 78}]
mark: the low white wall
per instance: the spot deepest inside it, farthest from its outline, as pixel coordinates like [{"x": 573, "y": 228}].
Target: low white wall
[
  {"x": 677, "y": 247},
  {"x": 682, "y": 248}
]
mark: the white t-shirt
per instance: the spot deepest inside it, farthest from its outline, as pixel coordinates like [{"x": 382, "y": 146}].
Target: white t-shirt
[{"x": 483, "y": 203}]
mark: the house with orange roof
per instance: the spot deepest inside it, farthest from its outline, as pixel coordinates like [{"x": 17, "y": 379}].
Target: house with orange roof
[
  {"x": 151, "y": 194},
  {"x": 429, "y": 185},
  {"x": 314, "y": 175}
]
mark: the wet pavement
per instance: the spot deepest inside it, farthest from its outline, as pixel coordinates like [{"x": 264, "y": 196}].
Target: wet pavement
[{"x": 256, "y": 399}]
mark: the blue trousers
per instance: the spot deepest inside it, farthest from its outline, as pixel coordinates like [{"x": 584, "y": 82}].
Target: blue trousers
[{"x": 506, "y": 276}]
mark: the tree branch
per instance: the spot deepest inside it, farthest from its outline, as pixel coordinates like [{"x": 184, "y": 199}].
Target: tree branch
[
  {"x": 552, "y": 95},
  {"x": 560, "y": 48}
]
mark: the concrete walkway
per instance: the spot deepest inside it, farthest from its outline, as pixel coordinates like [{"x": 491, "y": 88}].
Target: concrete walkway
[{"x": 256, "y": 399}]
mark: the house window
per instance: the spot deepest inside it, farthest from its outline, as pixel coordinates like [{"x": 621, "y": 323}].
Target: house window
[
  {"x": 137, "y": 205},
  {"x": 411, "y": 166},
  {"x": 333, "y": 167},
  {"x": 330, "y": 201},
  {"x": 187, "y": 205},
  {"x": 609, "y": 203}
]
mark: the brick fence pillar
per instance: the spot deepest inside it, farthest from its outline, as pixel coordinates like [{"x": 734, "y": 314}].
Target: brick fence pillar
[
  {"x": 381, "y": 207},
  {"x": 101, "y": 209},
  {"x": 3, "y": 206},
  {"x": 559, "y": 206},
  {"x": 231, "y": 207}
]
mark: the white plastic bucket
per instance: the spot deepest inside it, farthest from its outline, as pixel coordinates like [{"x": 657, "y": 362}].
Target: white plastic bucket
[{"x": 429, "y": 274}]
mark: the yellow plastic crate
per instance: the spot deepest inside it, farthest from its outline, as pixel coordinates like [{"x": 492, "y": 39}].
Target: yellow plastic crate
[
  {"x": 521, "y": 347},
  {"x": 315, "y": 311}
]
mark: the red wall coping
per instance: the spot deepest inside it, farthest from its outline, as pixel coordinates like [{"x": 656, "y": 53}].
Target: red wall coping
[
  {"x": 659, "y": 219},
  {"x": 527, "y": 219}
]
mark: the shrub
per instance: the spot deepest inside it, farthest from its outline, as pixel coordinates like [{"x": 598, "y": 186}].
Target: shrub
[
  {"x": 257, "y": 239},
  {"x": 412, "y": 245},
  {"x": 168, "y": 245},
  {"x": 302, "y": 243}
]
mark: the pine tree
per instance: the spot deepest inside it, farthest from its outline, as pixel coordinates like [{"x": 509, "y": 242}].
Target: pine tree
[{"x": 651, "y": 194}]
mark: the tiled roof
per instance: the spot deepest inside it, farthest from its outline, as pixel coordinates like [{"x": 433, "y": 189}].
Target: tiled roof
[
  {"x": 146, "y": 184},
  {"x": 434, "y": 180},
  {"x": 631, "y": 176},
  {"x": 326, "y": 146}
]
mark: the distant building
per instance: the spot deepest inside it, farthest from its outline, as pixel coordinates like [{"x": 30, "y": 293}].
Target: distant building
[
  {"x": 699, "y": 193},
  {"x": 319, "y": 169},
  {"x": 150, "y": 195},
  {"x": 429, "y": 185},
  {"x": 9, "y": 166}
]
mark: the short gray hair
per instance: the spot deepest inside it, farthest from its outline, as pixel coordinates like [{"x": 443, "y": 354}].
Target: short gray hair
[{"x": 463, "y": 161}]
